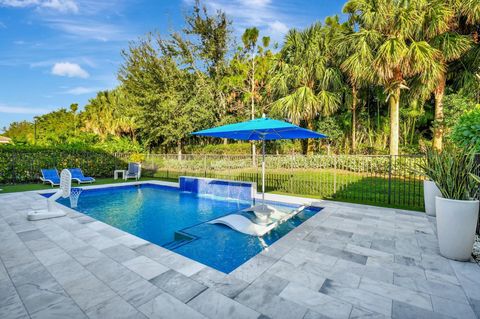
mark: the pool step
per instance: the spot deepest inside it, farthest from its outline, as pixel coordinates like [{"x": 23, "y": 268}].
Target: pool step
[
  {"x": 180, "y": 240},
  {"x": 176, "y": 243}
]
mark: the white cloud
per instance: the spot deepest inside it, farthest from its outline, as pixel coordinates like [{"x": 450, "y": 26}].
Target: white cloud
[
  {"x": 69, "y": 69},
  {"x": 65, "y": 6},
  {"x": 272, "y": 18},
  {"x": 90, "y": 29},
  {"x": 256, "y": 3},
  {"x": 18, "y": 3},
  {"x": 61, "y": 5},
  {"x": 80, "y": 90},
  {"x": 278, "y": 27},
  {"x": 22, "y": 110}
]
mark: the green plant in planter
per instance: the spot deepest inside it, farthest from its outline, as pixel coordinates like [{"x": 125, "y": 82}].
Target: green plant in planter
[{"x": 452, "y": 171}]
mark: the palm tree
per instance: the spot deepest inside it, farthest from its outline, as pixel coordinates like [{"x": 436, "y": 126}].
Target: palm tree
[
  {"x": 249, "y": 39},
  {"x": 110, "y": 113},
  {"x": 440, "y": 30},
  {"x": 466, "y": 70},
  {"x": 74, "y": 109},
  {"x": 307, "y": 82},
  {"x": 356, "y": 51},
  {"x": 400, "y": 54}
]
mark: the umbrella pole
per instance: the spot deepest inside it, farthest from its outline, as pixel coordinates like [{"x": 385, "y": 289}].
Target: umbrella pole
[{"x": 263, "y": 172}]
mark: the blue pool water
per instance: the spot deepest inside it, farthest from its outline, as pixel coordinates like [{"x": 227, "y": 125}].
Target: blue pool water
[{"x": 177, "y": 220}]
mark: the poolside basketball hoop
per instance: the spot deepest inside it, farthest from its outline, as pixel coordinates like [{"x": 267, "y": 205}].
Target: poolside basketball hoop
[
  {"x": 74, "y": 195},
  {"x": 53, "y": 210}
]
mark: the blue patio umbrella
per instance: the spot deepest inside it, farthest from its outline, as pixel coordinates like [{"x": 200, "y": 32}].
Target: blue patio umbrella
[{"x": 262, "y": 129}]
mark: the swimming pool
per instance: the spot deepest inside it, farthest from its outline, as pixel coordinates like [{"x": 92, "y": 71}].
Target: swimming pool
[{"x": 177, "y": 220}]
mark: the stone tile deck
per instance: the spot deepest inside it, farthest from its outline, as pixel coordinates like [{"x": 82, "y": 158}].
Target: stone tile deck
[{"x": 349, "y": 261}]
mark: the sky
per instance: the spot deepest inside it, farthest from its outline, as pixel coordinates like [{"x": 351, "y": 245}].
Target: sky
[{"x": 57, "y": 52}]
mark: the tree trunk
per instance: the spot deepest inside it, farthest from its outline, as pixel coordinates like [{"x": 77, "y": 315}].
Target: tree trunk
[
  {"x": 354, "y": 119},
  {"x": 394, "y": 102},
  {"x": 179, "y": 150},
  {"x": 304, "y": 144},
  {"x": 438, "y": 128},
  {"x": 310, "y": 142}
]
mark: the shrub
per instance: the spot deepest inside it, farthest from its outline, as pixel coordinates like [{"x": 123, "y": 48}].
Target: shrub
[
  {"x": 21, "y": 165},
  {"x": 466, "y": 132}
]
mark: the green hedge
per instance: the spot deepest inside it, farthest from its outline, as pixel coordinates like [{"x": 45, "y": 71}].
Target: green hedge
[
  {"x": 20, "y": 165},
  {"x": 404, "y": 165}
]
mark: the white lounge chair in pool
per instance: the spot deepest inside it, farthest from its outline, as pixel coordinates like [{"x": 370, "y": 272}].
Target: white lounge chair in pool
[
  {"x": 247, "y": 226},
  {"x": 243, "y": 224},
  {"x": 134, "y": 171}
]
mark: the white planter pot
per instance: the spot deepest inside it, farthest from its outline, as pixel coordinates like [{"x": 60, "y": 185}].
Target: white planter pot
[
  {"x": 430, "y": 191},
  {"x": 456, "y": 224}
]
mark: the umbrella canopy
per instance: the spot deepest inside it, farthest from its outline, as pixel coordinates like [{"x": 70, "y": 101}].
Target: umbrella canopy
[{"x": 260, "y": 129}]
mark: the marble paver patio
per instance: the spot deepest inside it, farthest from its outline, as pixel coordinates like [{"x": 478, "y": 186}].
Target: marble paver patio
[{"x": 348, "y": 261}]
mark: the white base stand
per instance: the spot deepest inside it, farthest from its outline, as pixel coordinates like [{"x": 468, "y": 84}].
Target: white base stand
[
  {"x": 51, "y": 212},
  {"x": 264, "y": 212},
  {"x": 44, "y": 214}
]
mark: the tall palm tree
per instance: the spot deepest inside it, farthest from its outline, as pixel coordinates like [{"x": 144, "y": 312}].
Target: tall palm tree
[
  {"x": 441, "y": 31},
  {"x": 356, "y": 51},
  {"x": 400, "y": 53},
  {"x": 249, "y": 39},
  {"x": 466, "y": 70},
  {"x": 307, "y": 82}
]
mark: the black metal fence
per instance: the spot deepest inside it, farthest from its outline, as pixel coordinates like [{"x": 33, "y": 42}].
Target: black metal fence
[{"x": 379, "y": 180}]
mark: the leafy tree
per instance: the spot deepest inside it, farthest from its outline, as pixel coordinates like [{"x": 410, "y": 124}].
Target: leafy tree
[
  {"x": 55, "y": 128},
  {"x": 455, "y": 106},
  {"x": 203, "y": 45},
  {"x": 173, "y": 102},
  {"x": 330, "y": 127},
  {"x": 20, "y": 132},
  {"x": 213, "y": 37}
]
